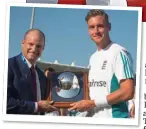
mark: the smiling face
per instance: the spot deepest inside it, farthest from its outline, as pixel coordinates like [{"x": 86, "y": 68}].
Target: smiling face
[
  {"x": 32, "y": 46},
  {"x": 98, "y": 29}
]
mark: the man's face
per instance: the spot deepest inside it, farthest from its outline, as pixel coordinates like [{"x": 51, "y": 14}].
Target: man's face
[
  {"x": 46, "y": 73},
  {"x": 32, "y": 46},
  {"x": 98, "y": 29}
]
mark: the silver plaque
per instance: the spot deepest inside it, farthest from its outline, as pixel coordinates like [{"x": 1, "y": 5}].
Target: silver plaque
[{"x": 68, "y": 85}]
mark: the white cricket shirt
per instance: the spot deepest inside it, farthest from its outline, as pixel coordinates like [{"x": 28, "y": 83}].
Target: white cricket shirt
[{"x": 107, "y": 67}]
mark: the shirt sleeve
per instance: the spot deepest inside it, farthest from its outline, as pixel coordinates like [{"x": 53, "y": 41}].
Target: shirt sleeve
[
  {"x": 124, "y": 66},
  {"x": 36, "y": 107}
]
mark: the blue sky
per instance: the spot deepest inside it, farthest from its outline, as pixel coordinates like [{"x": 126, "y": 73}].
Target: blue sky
[{"x": 66, "y": 32}]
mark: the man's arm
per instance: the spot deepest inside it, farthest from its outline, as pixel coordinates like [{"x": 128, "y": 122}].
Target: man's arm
[
  {"x": 14, "y": 104},
  {"x": 125, "y": 92},
  {"x": 124, "y": 75}
]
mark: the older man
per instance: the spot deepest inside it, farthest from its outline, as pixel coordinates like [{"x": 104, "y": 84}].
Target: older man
[{"x": 26, "y": 82}]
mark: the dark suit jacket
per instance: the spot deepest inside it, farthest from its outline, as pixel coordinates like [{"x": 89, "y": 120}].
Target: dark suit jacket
[{"x": 20, "y": 93}]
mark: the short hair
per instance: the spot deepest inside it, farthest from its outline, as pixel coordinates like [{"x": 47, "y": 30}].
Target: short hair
[
  {"x": 50, "y": 69},
  {"x": 97, "y": 12},
  {"x": 35, "y": 29}
]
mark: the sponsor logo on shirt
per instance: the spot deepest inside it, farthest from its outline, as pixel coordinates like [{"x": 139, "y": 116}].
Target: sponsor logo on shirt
[
  {"x": 104, "y": 65},
  {"x": 94, "y": 83}
]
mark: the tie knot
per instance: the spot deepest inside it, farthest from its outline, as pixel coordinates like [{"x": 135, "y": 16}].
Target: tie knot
[{"x": 32, "y": 68}]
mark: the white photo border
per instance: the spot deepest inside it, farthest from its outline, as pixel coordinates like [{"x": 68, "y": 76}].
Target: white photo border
[{"x": 68, "y": 119}]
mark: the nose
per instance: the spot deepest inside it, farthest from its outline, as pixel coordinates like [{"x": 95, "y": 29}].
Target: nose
[
  {"x": 34, "y": 48},
  {"x": 96, "y": 29}
]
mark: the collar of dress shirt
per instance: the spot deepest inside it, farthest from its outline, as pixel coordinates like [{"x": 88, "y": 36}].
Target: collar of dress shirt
[{"x": 28, "y": 63}]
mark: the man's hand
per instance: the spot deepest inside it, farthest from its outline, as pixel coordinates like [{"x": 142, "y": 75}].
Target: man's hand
[
  {"x": 46, "y": 106},
  {"x": 83, "y": 105}
]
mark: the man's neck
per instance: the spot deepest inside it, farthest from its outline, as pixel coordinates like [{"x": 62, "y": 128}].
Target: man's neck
[
  {"x": 103, "y": 45},
  {"x": 28, "y": 62}
]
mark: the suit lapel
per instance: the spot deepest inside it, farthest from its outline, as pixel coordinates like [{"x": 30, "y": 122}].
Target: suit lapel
[{"x": 25, "y": 72}]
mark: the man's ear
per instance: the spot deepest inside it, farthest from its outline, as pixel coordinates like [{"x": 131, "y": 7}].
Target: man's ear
[{"x": 22, "y": 41}]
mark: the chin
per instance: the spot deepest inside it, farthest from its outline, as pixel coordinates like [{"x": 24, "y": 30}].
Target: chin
[
  {"x": 97, "y": 42},
  {"x": 32, "y": 59}
]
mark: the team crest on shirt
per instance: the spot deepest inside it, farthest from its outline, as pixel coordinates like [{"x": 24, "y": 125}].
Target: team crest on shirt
[{"x": 104, "y": 65}]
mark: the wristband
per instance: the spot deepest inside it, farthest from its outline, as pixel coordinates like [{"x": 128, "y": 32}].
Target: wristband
[
  {"x": 101, "y": 102},
  {"x": 130, "y": 104}
]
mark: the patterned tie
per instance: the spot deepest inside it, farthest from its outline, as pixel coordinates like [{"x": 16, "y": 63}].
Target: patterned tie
[{"x": 34, "y": 81}]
